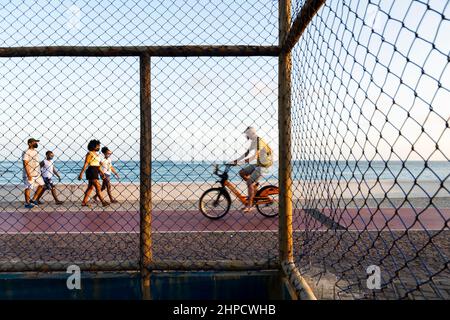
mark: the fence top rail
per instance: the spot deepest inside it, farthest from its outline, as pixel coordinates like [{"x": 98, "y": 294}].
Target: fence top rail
[
  {"x": 300, "y": 23},
  {"x": 157, "y": 51}
]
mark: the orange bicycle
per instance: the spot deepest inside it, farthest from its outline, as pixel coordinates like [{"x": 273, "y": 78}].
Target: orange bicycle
[{"x": 216, "y": 202}]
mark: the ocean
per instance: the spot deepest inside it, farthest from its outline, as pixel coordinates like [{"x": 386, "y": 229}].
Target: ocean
[{"x": 189, "y": 171}]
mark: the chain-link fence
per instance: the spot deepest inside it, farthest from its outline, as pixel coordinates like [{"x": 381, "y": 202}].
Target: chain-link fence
[
  {"x": 359, "y": 123},
  {"x": 65, "y": 102},
  {"x": 370, "y": 131},
  {"x": 200, "y": 107},
  {"x": 138, "y": 23}
]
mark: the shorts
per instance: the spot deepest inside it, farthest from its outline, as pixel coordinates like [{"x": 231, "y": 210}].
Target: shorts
[
  {"x": 35, "y": 182},
  {"x": 106, "y": 181},
  {"x": 49, "y": 185},
  {"x": 254, "y": 172},
  {"x": 92, "y": 173}
]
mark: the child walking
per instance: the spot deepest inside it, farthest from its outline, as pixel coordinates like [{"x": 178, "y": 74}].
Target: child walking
[
  {"x": 47, "y": 171},
  {"x": 108, "y": 170}
]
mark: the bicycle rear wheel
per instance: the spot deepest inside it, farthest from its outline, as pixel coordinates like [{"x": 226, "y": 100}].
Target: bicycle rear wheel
[
  {"x": 267, "y": 203},
  {"x": 215, "y": 203}
]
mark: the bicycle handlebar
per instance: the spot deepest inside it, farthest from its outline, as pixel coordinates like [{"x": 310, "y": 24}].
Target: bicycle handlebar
[{"x": 227, "y": 165}]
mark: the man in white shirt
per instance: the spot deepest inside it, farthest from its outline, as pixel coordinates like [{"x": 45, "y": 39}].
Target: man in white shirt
[
  {"x": 253, "y": 172},
  {"x": 32, "y": 173}
]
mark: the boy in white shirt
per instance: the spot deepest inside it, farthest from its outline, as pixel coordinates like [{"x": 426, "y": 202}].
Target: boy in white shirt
[
  {"x": 108, "y": 170},
  {"x": 47, "y": 171}
]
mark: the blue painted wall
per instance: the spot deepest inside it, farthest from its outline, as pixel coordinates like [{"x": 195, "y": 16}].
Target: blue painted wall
[{"x": 164, "y": 286}]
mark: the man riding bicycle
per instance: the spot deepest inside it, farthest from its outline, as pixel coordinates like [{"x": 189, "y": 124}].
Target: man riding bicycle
[{"x": 252, "y": 173}]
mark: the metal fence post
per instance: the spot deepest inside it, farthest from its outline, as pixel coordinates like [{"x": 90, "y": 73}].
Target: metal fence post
[
  {"x": 145, "y": 199},
  {"x": 284, "y": 127},
  {"x": 285, "y": 158}
]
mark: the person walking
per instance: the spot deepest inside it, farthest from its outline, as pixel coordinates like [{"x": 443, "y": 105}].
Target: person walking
[
  {"x": 93, "y": 170},
  {"x": 108, "y": 169},
  {"x": 32, "y": 178},
  {"x": 48, "y": 170}
]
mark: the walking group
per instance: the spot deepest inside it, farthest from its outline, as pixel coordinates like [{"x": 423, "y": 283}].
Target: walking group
[{"x": 38, "y": 175}]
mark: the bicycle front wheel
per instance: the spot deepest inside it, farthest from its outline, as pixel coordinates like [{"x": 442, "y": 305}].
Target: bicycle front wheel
[{"x": 215, "y": 203}]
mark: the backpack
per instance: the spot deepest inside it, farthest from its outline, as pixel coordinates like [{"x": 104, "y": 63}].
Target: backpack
[{"x": 260, "y": 144}]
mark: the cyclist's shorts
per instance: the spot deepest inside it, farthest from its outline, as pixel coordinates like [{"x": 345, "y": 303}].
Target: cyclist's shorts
[{"x": 254, "y": 172}]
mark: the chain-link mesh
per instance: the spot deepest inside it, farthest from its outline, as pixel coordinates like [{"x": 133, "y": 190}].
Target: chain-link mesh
[
  {"x": 296, "y": 7},
  {"x": 200, "y": 108},
  {"x": 137, "y": 23},
  {"x": 369, "y": 132},
  {"x": 370, "y": 136},
  {"x": 65, "y": 103}
]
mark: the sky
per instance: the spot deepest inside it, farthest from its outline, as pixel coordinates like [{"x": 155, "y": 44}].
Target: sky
[{"x": 200, "y": 106}]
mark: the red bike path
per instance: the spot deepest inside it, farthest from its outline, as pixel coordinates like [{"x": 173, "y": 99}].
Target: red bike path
[{"x": 193, "y": 221}]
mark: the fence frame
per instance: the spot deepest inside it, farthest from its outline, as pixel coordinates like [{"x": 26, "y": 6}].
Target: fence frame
[
  {"x": 137, "y": 51},
  {"x": 288, "y": 37},
  {"x": 145, "y": 154}
]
